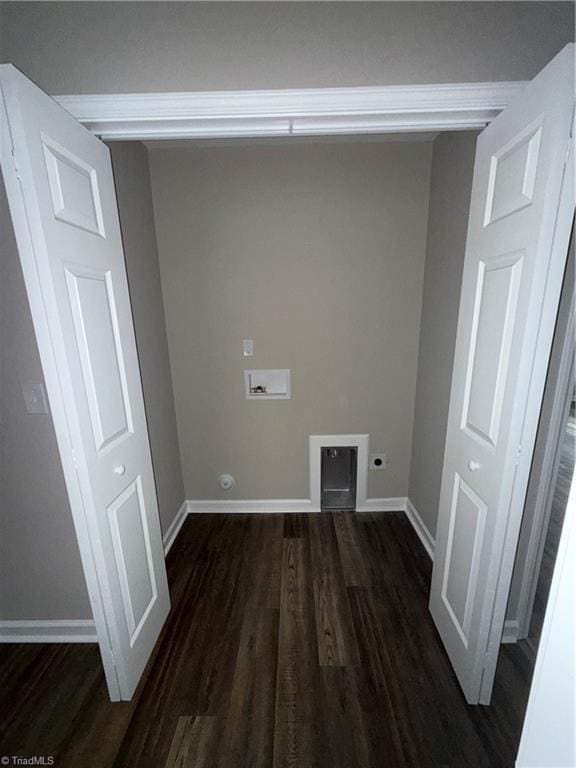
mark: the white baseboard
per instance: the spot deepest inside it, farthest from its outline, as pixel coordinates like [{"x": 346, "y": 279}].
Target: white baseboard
[
  {"x": 511, "y": 631},
  {"x": 421, "y": 529},
  {"x": 391, "y": 504},
  {"x": 244, "y": 506},
  {"x": 174, "y": 527},
  {"x": 55, "y": 631},
  {"x": 275, "y": 506}
]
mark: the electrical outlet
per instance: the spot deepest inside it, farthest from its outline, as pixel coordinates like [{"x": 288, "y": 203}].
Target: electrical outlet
[{"x": 378, "y": 461}]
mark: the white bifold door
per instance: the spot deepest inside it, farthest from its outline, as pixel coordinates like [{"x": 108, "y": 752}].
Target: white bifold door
[
  {"x": 519, "y": 226},
  {"x": 60, "y": 189}
]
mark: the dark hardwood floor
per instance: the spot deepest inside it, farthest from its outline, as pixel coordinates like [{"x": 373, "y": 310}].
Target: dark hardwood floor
[{"x": 293, "y": 641}]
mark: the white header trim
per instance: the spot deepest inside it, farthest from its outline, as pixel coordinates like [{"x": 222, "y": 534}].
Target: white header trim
[{"x": 305, "y": 112}]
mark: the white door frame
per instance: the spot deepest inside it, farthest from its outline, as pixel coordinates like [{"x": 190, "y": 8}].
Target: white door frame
[
  {"x": 303, "y": 112},
  {"x": 547, "y": 476},
  {"x": 548, "y": 733},
  {"x": 559, "y": 256}
]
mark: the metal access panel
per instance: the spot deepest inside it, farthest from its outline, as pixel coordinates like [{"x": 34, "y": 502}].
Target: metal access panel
[{"x": 338, "y": 478}]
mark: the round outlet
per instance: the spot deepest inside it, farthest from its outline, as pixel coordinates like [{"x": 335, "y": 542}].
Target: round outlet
[
  {"x": 226, "y": 482},
  {"x": 377, "y": 461}
]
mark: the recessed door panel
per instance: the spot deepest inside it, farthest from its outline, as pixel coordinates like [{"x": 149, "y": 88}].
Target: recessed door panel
[
  {"x": 92, "y": 302},
  {"x": 492, "y": 329},
  {"x": 131, "y": 542},
  {"x": 513, "y": 175},
  {"x": 465, "y": 536},
  {"x": 73, "y": 188}
]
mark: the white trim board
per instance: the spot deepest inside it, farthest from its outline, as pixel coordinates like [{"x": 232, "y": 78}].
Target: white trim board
[
  {"x": 174, "y": 528},
  {"x": 282, "y": 506},
  {"x": 292, "y": 112},
  {"x": 421, "y": 529},
  {"x": 54, "y": 631},
  {"x": 249, "y": 506},
  {"x": 388, "y": 504},
  {"x": 545, "y": 475}
]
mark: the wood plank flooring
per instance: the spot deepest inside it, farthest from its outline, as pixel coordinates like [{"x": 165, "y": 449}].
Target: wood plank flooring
[{"x": 293, "y": 642}]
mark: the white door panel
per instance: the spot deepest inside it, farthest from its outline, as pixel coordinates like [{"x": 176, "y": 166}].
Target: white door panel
[
  {"x": 513, "y": 174},
  {"x": 72, "y": 244},
  {"x": 493, "y": 318},
  {"x": 131, "y": 541},
  {"x": 465, "y": 536},
  {"x": 514, "y": 263},
  {"x": 98, "y": 341}
]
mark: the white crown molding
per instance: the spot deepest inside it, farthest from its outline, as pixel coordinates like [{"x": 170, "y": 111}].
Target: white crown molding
[
  {"x": 305, "y": 112},
  {"x": 52, "y": 631},
  {"x": 421, "y": 529}
]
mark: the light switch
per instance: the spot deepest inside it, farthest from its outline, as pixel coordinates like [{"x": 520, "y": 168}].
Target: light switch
[
  {"x": 248, "y": 347},
  {"x": 35, "y": 397}
]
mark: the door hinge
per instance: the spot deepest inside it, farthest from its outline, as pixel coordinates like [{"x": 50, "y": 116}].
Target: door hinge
[
  {"x": 518, "y": 453},
  {"x": 74, "y": 459},
  {"x": 15, "y": 162},
  {"x": 571, "y": 135}
]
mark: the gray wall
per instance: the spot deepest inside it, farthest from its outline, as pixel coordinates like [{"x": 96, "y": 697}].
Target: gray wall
[
  {"x": 317, "y": 253},
  {"x": 84, "y": 47},
  {"x": 450, "y": 188},
  {"x": 132, "y": 177},
  {"x": 41, "y": 573}
]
